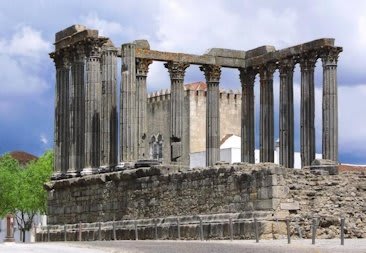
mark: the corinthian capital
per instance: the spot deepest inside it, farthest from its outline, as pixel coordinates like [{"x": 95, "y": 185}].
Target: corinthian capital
[
  {"x": 78, "y": 52},
  {"x": 308, "y": 61},
  {"x": 142, "y": 66},
  {"x": 266, "y": 71},
  {"x": 247, "y": 76},
  {"x": 212, "y": 73},
  {"x": 330, "y": 55},
  {"x": 61, "y": 58},
  {"x": 176, "y": 69},
  {"x": 286, "y": 65},
  {"x": 93, "y": 47}
]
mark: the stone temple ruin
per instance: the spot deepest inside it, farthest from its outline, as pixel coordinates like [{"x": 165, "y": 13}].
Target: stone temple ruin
[
  {"x": 86, "y": 109},
  {"x": 86, "y": 142}
]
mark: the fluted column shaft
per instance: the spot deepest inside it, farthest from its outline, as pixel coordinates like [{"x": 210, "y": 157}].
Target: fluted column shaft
[
  {"x": 128, "y": 119},
  {"x": 330, "y": 104},
  {"x": 247, "y": 78},
  {"x": 286, "y": 120},
  {"x": 307, "y": 109},
  {"x": 142, "y": 69},
  {"x": 266, "y": 113},
  {"x": 76, "y": 113},
  {"x": 212, "y": 74},
  {"x": 176, "y": 72},
  {"x": 61, "y": 113},
  {"x": 108, "y": 144},
  {"x": 93, "y": 91}
]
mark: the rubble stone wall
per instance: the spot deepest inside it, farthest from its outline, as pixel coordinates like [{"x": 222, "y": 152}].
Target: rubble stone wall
[{"x": 329, "y": 197}]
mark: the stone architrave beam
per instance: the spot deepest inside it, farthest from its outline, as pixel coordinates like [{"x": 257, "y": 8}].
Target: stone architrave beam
[
  {"x": 212, "y": 74},
  {"x": 234, "y": 58}
]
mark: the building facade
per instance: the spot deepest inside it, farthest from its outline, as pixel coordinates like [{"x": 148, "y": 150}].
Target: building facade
[{"x": 194, "y": 123}]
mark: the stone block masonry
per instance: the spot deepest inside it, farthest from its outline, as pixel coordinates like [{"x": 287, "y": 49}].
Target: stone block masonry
[
  {"x": 162, "y": 194},
  {"x": 164, "y": 191}
]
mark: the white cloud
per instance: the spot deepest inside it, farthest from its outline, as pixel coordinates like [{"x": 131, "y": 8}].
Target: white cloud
[
  {"x": 199, "y": 25},
  {"x": 106, "y": 28},
  {"x": 21, "y": 59},
  {"x": 112, "y": 29},
  {"x": 25, "y": 42},
  {"x": 43, "y": 139},
  {"x": 352, "y": 130}
]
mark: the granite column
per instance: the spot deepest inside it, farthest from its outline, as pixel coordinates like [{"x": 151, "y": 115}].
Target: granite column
[
  {"x": 108, "y": 123},
  {"x": 128, "y": 119},
  {"x": 93, "y": 92},
  {"x": 286, "y": 120},
  {"x": 62, "y": 62},
  {"x": 77, "y": 107},
  {"x": 330, "y": 104},
  {"x": 307, "y": 109},
  {"x": 266, "y": 113},
  {"x": 212, "y": 74},
  {"x": 247, "y": 78},
  {"x": 176, "y": 72},
  {"x": 142, "y": 68}
]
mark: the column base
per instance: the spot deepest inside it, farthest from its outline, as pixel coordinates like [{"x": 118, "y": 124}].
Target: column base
[
  {"x": 89, "y": 171},
  {"x": 72, "y": 173},
  {"x": 9, "y": 239},
  {"x": 56, "y": 176}
]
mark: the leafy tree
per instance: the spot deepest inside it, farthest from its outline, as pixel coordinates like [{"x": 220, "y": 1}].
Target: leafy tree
[
  {"x": 21, "y": 189},
  {"x": 9, "y": 169}
]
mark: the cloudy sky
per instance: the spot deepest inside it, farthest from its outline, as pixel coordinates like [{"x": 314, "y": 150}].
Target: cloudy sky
[{"x": 27, "y": 74}]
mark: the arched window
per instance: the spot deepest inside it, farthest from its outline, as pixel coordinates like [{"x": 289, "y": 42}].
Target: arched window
[
  {"x": 156, "y": 147},
  {"x": 160, "y": 147},
  {"x": 151, "y": 144}
]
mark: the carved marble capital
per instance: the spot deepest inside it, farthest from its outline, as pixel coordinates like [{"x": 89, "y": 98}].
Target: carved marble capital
[
  {"x": 286, "y": 66},
  {"x": 176, "y": 69},
  {"x": 142, "y": 66},
  {"x": 61, "y": 58},
  {"x": 212, "y": 73},
  {"x": 93, "y": 48},
  {"x": 308, "y": 61},
  {"x": 330, "y": 55},
  {"x": 78, "y": 52},
  {"x": 247, "y": 76},
  {"x": 266, "y": 71}
]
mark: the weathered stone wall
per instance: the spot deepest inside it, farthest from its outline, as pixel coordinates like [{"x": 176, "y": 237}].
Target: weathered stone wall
[
  {"x": 165, "y": 191},
  {"x": 230, "y": 111},
  {"x": 158, "y": 108},
  {"x": 194, "y": 124},
  {"x": 329, "y": 197},
  {"x": 158, "y": 122}
]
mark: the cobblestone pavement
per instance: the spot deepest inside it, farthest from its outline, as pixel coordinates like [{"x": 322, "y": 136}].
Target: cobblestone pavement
[{"x": 298, "y": 246}]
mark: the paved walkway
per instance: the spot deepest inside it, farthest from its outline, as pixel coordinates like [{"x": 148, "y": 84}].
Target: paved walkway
[{"x": 280, "y": 246}]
